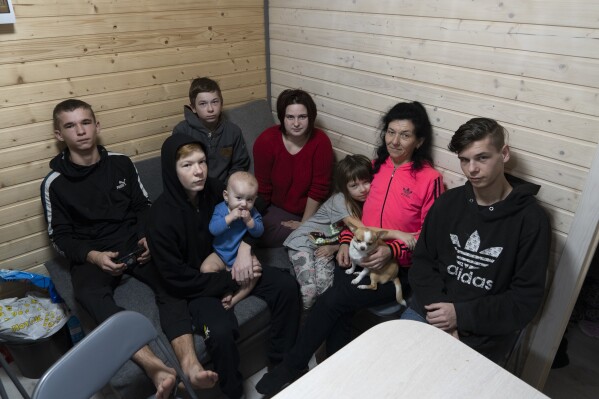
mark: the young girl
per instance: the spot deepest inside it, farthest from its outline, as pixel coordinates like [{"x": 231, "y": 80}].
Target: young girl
[{"x": 312, "y": 246}]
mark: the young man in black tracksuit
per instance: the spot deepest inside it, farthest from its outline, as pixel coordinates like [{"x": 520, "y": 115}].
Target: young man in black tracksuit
[
  {"x": 479, "y": 265},
  {"x": 96, "y": 207},
  {"x": 224, "y": 143}
]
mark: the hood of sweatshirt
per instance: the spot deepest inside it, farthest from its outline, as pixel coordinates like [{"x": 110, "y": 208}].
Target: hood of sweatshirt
[
  {"x": 195, "y": 122},
  {"x": 63, "y": 165},
  {"x": 173, "y": 189},
  {"x": 522, "y": 195}
]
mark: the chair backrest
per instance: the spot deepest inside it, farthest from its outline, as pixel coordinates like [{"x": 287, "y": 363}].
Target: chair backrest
[{"x": 87, "y": 367}]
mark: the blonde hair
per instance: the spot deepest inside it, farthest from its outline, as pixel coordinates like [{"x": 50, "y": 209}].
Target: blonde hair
[
  {"x": 242, "y": 176},
  {"x": 187, "y": 149}
]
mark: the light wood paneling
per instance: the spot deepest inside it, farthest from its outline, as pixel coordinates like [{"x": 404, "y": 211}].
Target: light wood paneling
[
  {"x": 61, "y": 8},
  {"x": 551, "y": 39},
  {"x": 133, "y": 62},
  {"x": 50, "y": 49},
  {"x": 113, "y": 24},
  {"x": 530, "y": 65},
  {"x": 545, "y": 12}
]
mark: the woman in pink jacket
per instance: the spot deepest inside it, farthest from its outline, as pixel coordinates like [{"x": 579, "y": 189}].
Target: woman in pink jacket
[{"x": 403, "y": 189}]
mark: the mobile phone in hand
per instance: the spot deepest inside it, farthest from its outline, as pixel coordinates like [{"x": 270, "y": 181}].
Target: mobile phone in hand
[{"x": 131, "y": 258}]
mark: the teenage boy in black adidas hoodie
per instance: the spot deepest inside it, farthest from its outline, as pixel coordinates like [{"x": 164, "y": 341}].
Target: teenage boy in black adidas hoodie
[
  {"x": 479, "y": 265},
  {"x": 96, "y": 206},
  {"x": 224, "y": 143}
]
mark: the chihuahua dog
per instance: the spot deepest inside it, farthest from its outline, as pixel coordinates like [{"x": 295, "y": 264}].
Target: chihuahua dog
[{"x": 365, "y": 241}]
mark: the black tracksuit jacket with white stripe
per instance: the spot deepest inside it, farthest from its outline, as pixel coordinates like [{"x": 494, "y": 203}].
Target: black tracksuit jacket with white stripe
[{"x": 101, "y": 207}]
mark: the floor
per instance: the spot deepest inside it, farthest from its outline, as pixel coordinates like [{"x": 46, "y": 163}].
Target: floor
[{"x": 580, "y": 379}]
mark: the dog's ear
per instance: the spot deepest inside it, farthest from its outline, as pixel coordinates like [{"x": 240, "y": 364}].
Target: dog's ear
[{"x": 351, "y": 226}]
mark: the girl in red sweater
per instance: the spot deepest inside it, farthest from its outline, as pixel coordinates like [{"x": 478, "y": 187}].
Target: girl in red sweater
[{"x": 293, "y": 163}]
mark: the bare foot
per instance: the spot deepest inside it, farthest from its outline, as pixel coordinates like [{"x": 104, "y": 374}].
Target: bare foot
[
  {"x": 164, "y": 382},
  {"x": 202, "y": 379},
  {"x": 244, "y": 291},
  {"x": 226, "y": 301}
]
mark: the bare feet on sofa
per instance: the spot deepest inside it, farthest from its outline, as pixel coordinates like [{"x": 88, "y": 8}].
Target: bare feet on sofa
[
  {"x": 164, "y": 383},
  {"x": 201, "y": 378}
]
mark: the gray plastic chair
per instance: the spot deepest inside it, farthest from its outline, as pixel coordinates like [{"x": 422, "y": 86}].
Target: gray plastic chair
[{"x": 88, "y": 367}]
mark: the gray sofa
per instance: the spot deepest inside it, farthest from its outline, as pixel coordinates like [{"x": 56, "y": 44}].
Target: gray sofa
[{"x": 252, "y": 313}]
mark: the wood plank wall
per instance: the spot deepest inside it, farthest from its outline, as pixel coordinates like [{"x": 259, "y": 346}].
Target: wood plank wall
[
  {"x": 132, "y": 61},
  {"x": 532, "y": 65}
]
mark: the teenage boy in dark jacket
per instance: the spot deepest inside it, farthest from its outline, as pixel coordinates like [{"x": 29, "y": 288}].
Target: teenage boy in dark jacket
[
  {"x": 227, "y": 152},
  {"x": 96, "y": 207},
  {"x": 479, "y": 265}
]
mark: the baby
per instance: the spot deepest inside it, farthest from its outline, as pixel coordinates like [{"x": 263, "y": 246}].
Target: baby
[{"x": 232, "y": 218}]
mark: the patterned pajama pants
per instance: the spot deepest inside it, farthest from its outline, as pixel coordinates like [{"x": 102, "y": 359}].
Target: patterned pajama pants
[{"x": 314, "y": 275}]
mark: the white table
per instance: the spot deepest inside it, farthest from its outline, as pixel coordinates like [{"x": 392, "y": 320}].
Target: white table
[{"x": 408, "y": 359}]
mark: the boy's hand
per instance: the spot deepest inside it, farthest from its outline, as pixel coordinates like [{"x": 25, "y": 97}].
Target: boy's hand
[
  {"x": 145, "y": 256},
  {"x": 104, "y": 260},
  {"x": 442, "y": 315},
  {"x": 245, "y": 215},
  {"x": 233, "y": 215},
  {"x": 243, "y": 268}
]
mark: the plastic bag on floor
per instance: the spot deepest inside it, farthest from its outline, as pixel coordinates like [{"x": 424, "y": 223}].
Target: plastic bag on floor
[
  {"x": 30, "y": 318},
  {"x": 34, "y": 316}
]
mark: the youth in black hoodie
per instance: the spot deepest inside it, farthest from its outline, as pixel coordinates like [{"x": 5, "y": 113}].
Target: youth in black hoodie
[
  {"x": 179, "y": 240},
  {"x": 489, "y": 261}
]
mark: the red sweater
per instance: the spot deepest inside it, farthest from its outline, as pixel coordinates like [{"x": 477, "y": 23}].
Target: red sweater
[{"x": 287, "y": 180}]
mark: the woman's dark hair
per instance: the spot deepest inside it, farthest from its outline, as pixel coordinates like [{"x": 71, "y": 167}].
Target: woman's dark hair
[
  {"x": 296, "y": 96},
  {"x": 415, "y": 113}
]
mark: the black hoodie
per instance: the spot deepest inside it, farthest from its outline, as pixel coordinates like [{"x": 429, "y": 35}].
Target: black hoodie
[
  {"x": 178, "y": 234},
  {"x": 99, "y": 207},
  {"x": 226, "y": 149},
  {"x": 489, "y": 261}
]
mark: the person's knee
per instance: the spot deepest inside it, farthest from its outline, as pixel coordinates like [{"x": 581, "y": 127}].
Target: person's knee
[{"x": 212, "y": 264}]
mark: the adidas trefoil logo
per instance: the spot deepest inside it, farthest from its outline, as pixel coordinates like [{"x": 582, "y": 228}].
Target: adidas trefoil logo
[{"x": 469, "y": 259}]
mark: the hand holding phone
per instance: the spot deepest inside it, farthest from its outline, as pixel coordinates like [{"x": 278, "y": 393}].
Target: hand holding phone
[{"x": 131, "y": 258}]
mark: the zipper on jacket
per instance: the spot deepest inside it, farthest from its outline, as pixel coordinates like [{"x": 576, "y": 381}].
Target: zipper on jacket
[{"x": 386, "y": 194}]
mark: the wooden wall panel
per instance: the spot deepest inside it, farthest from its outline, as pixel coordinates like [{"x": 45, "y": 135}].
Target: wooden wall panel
[
  {"x": 133, "y": 62},
  {"x": 532, "y": 65}
]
